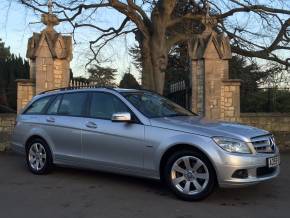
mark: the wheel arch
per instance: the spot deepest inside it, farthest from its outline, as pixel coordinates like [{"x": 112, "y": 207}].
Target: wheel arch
[{"x": 178, "y": 147}]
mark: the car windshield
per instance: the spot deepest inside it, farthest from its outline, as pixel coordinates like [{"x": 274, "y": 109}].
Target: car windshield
[{"x": 154, "y": 106}]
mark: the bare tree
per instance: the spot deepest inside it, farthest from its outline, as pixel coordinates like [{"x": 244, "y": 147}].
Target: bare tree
[{"x": 258, "y": 28}]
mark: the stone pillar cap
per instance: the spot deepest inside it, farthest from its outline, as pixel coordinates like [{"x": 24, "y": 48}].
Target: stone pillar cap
[{"x": 50, "y": 20}]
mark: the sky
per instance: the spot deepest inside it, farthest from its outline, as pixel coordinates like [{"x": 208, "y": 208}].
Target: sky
[{"x": 17, "y": 24}]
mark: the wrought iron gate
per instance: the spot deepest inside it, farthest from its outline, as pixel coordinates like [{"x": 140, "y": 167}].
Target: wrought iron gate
[{"x": 180, "y": 93}]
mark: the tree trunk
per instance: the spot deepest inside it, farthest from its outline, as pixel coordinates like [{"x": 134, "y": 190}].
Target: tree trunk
[
  {"x": 154, "y": 55},
  {"x": 147, "y": 65},
  {"x": 154, "y": 63}
]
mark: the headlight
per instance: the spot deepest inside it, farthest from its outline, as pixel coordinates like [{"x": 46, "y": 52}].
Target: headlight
[{"x": 232, "y": 145}]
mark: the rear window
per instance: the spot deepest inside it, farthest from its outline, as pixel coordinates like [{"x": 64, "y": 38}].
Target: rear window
[
  {"x": 38, "y": 106},
  {"x": 53, "y": 107},
  {"x": 73, "y": 104}
]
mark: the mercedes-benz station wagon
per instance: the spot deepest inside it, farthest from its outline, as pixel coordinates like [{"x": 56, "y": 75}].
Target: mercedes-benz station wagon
[{"x": 141, "y": 133}]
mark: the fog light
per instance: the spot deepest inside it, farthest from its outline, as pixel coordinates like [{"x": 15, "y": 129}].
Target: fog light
[{"x": 240, "y": 174}]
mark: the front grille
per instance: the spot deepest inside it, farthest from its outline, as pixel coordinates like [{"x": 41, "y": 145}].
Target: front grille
[
  {"x": 264, "y": 144},
  {"x": 265, "y": 171}
]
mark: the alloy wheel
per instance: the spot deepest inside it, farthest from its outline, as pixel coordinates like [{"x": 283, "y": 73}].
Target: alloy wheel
[
  {"x": 37, "y": 156},
  {"x": 189, "y": 175}
]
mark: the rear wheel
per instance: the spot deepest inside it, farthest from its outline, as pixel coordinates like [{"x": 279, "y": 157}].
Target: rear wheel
[
  {"x": 190, "y": 175},
  {"x": 38, "y": 156}
]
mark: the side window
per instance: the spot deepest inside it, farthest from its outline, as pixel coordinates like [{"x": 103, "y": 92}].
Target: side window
[
  {"x": 73, "y": 104},
  {"x": 104, "y": 105},
  {"x": 53, "y": 107},
  {"x": 38, "y": 106}
]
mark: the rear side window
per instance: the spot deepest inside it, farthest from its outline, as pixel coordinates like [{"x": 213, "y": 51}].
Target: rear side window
[
  {"x": 73, "y": 104},
  {"x": 53, "y": 108},
  {"x": 38, "y": 106}
]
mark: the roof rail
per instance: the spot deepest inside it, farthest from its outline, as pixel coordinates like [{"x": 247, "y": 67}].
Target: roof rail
[
  {"x": 77, "y": 87},
  {"x": 148, "y": 90}
]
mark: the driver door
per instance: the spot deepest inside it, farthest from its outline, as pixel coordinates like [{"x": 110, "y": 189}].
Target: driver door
[{"x": 111, "y": 144}]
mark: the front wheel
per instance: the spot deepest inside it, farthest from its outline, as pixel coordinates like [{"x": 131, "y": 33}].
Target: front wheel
[{"x": 190, "y": 175}]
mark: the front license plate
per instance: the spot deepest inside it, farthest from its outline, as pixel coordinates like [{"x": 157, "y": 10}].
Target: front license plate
[{"x": 273, "y": 161}]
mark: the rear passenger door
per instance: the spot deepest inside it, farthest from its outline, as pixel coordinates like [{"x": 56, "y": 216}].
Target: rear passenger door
[
  {"x": 112, "y": 144},
  {"x": 32, "y": 120},
  {"x": 64, "y": 121}
]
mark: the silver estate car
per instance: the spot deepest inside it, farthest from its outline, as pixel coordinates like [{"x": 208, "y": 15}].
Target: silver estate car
[{"x": 141, "y": 133}]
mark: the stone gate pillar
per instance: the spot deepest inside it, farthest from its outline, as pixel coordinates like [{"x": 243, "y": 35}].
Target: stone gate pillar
[
  {"x": 49, "y": 54},
  {"x": 214, "y": 96}
]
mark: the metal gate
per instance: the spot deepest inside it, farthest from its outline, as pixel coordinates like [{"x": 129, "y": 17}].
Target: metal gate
[{"x": 180, "y": 93}]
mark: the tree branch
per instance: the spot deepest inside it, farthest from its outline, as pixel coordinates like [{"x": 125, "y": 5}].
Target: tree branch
[
  {"x": 179, "y": 20},
  {"x": 262, "y": 55},
  {"x": 248, "y": 8}
]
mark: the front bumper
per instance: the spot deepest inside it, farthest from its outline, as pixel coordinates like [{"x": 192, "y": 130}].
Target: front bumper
[{"x": 255, "y": 166}]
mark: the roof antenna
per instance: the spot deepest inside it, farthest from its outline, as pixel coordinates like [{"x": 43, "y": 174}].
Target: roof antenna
[{"x": 49, "y": 5}]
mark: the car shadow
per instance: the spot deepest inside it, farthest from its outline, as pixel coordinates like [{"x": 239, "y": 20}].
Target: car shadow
[
  {"x": 89, "y": 176},
  {"x": 93, "y": 179},
  {"x": 250, "y": 195}
]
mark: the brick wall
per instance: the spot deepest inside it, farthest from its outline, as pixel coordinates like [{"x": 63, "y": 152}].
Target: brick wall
[
  {"x": 230, "y": 100},
  {"x": 270, "y": 121},
  {"x": 25, "y": 92},
  {"x": 277, "y": 123},
  {"x": 7, "y": 122}
]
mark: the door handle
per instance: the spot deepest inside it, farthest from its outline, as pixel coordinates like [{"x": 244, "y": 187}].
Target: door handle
[
  {"x": 50, "y": 119},
  {"x": 91, "y": 125}
]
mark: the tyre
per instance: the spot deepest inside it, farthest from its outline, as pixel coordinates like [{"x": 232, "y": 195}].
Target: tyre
[
  {"x": 38, "y": 157},
  {"x": 190, "y": 175}
]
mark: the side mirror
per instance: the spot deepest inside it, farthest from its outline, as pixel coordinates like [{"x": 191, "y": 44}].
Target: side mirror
[{"x": 121, "y": 117}]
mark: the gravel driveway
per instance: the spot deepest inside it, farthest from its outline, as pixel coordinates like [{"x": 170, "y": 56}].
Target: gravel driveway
[{"x": 80, "y": 193}]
